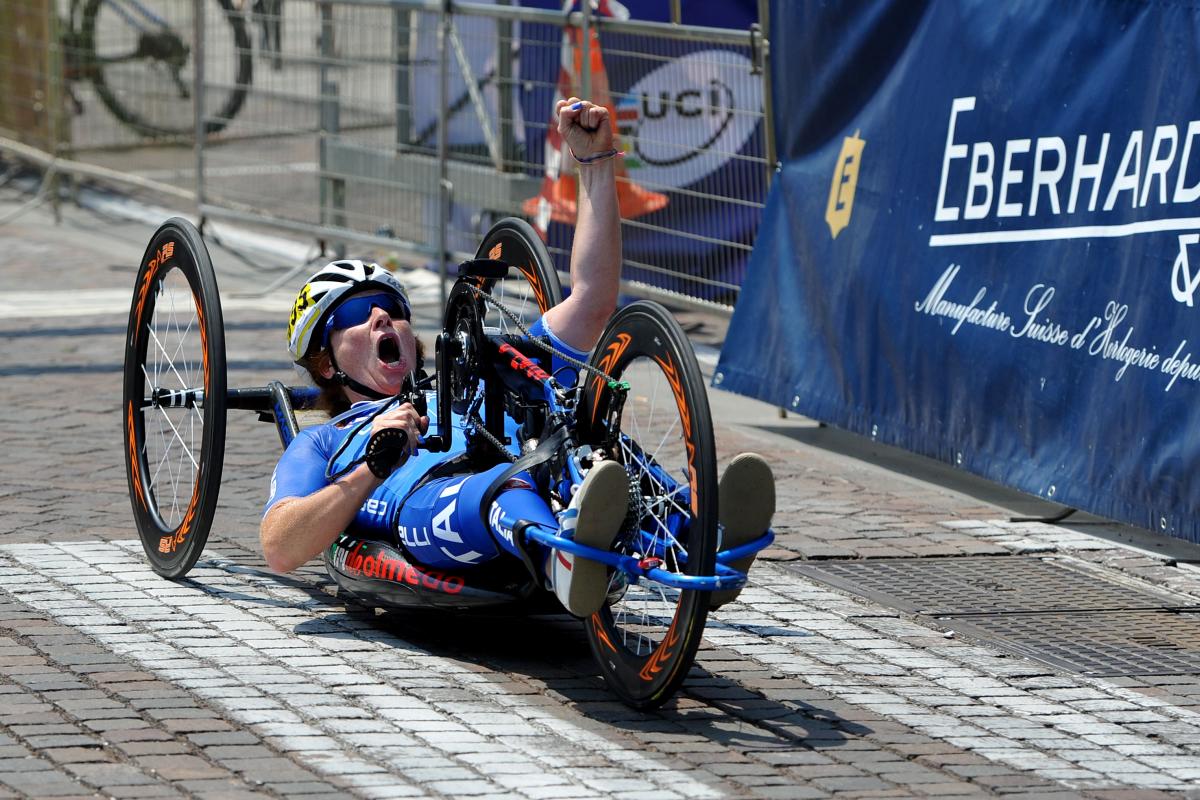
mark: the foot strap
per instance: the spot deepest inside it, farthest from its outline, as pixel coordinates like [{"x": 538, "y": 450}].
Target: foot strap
[{"x": 545, "y": 451}]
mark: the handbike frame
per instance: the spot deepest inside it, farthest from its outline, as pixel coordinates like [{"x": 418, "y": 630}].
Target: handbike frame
[
  {"x": 508, "y": 359},
  {"x": 518, "y": 378},
  {"x": 645, "y": 641}
]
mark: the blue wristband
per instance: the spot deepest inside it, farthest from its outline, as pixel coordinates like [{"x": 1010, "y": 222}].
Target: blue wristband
[{"x": 593, "y": 158}]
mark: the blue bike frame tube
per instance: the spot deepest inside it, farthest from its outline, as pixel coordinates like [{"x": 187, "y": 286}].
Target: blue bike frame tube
[
  {"x": 748, "y": 549},
  {"x": 726, "y": 577}
]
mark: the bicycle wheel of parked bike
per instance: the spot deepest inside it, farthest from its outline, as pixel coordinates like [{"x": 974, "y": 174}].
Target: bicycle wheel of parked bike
[
  {"x": 141, "y": 63},
  {"x": 174, "y": 398},
  {"x": 532, "y": 287},
  {"x": 645, "y": 638}
]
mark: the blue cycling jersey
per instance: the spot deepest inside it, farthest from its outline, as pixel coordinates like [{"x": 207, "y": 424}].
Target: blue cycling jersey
[{"x": 440, "y": 523}]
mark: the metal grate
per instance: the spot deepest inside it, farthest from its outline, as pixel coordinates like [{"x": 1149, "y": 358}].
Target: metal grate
[
  {"x": 1057, "y": 612},
  {"x": 984, "y": 585},
  {"x": 1100, "y": 643}
]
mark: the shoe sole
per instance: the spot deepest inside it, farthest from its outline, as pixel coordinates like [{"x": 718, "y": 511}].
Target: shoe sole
[
  {"x": 597, "y": 526},
  {"x": 746, "y": 504}
]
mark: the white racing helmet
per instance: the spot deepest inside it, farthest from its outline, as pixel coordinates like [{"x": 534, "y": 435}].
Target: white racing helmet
[{"x": 330, "y": 285}]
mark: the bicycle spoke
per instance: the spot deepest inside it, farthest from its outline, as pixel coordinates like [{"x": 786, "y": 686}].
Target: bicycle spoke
[
  {"x": 171, "y": 470},
  {"x": 179, "y": 438},
  {"x": 174, "y": 475},
  {"x": 170, "y": 365},
  {"x": 637, "y": 429},
  {"x": 172, "y": 435},
  {"x": 161, "y": 460},
  {"x": 666, "y": 436},
  {"x": 653, "y": 405},
  {"x": 645, "y": 471},
  {"x": 183, "y": 338},
  {"x": 165, "y": 359},
  {"x": 196, "y": 408}
]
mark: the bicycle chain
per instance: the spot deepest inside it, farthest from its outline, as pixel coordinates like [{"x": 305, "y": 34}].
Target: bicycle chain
[
  {"x": 472, "y": 415},
  {"x": 481, "y": 429}
]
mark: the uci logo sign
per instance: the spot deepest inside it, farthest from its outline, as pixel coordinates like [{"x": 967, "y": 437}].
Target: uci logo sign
[{"x": 689, "y": 117}]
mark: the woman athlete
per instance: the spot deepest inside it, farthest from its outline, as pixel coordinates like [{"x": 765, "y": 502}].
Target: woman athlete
[{"x": 350, "y": 328}]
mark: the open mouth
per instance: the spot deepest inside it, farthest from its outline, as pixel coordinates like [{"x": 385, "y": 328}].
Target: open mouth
[{"x": 389, "y": 351}]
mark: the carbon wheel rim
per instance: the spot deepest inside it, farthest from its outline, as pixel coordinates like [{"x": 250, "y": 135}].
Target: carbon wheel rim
[
  {"x": 647, "y": 634},
  {"x": 174, "y": 398},
  {"x": 173, "y": 437}
]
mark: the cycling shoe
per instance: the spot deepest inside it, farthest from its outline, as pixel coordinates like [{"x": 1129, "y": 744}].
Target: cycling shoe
[
  {"x": 746, "y": 503},
  {"x": 594, "y": 517}
]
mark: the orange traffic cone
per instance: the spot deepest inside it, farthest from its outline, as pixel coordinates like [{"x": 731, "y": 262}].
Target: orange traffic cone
[{"x": 556, "y": 200}]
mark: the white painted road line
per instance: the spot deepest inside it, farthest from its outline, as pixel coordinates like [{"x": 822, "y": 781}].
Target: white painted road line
[
  {"x": 331, "y": 694},
  {"x": 1072, "y": 730},
  {"x": 87, "y": 302}
]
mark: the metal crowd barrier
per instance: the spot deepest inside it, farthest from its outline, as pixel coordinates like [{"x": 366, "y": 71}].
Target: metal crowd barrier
[{"x": 406, "y": 124}]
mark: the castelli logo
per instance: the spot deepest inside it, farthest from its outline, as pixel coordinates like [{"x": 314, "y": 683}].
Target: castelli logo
[{"x": 689, "y": 117}]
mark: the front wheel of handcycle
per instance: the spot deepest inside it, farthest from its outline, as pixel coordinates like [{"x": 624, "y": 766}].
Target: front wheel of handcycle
[
  {"x": 532, "y": 287},
  {"x": 660, "y": 430},
  {"x": 174, "y": 398},
  {"x": 508, "y": 305}
]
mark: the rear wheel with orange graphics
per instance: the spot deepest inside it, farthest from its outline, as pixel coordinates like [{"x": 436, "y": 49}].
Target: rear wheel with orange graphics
[
  {"x": 660, "y": 430},
  {"x": 532, "y": 286},
  {"x": 174, "y": 398}
]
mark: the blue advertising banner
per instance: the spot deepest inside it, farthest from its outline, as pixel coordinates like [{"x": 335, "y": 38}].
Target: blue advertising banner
[{"x": 980, "y": 244}]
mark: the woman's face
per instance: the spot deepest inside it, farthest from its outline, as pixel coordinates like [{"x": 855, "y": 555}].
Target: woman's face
[{"x": 380, "y": 352}]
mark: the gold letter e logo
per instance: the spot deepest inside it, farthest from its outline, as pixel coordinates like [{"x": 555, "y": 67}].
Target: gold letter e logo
[{"x": 845, "y": 180}]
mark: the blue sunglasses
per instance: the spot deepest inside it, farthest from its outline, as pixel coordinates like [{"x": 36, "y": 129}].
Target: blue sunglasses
[{"x": 357, "y": 310}]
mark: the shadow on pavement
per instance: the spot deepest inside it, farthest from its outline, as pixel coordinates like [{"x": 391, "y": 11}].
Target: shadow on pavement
[{"x": 551, "y": 651}]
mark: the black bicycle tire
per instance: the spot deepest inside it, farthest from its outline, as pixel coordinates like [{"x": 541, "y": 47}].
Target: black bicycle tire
[
  {"x": 233, "y": 104},
  {"x": 515, "y": 242},
  {"x": 173, "y": 551},
  {"x": 646, "y": 329}
]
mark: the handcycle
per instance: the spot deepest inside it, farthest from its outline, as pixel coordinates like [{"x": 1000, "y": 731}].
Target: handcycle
[
  {"x": 640, "y": 401},
  {"x": 138, "y": 57}
]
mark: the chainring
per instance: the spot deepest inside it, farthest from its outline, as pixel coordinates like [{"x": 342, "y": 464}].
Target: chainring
[{"x": 463, "y": 321}]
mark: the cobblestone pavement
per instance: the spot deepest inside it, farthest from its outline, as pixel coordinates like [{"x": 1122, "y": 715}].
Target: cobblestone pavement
[{"x": 237, "y": 682}]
